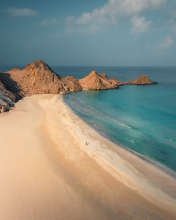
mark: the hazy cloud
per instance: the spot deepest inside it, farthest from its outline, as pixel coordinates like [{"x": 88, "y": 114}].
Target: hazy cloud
[
  {"x": 172, "y": 21},
  {"x": 47, "y": 21},
  {"x": 21, "y": 12},
  {"x": 173, "y": 13},
  {"x": 112, "y": 10},
  {"x": 140, "y": 24},
  {"x": 167, "y": 42}
]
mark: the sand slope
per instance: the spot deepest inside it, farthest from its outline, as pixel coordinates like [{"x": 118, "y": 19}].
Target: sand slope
[{"x": 48, "y": 172}]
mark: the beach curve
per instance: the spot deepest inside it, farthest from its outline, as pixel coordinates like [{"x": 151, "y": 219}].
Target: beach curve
[{"x": 56, "y": 167}]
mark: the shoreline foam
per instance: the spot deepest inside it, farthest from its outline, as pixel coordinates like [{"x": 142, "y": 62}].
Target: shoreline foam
[{"x": 51, "y": 173}]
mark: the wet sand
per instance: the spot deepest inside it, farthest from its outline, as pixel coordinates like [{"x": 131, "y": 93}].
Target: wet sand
[{"x": 54, "y": 166}]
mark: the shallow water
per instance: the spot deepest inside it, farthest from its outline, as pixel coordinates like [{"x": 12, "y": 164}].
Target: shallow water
[{"x": 141, "y": 118}]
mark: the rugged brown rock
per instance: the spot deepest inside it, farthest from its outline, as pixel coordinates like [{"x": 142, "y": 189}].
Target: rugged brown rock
[
  {"x": 113, "y": 81},
  {"x": 7, "y": 98},
  {"x": 9, "y": 92},
  {"x": 72, "y": 83},
  {"x": 97, "y": 82},
  {"x": 39, "y": 78},
  {"x": 143, "y": 80},
  {"x": 104, "y": 76}
]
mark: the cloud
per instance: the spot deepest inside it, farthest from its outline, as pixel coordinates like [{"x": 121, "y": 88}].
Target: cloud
[
  {"x": 113, "y": 10},
  {"x": 47, "y": 21},
  {"x": 173, "y": 13},
  {"x": 21, "y": 12},
  {"x": 140, "y": 24},
  {"x": 172, "y": 21},
  {"x": 167, "y": 42}
]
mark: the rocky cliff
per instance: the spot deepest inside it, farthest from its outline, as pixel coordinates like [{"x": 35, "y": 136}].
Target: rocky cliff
[
  {"x": 9, "y": 92},
  {"x": 94, "y": 81},
  {"x": 143, "y": 80},
  {"x": 6, "y": 98},
  {"x": 39, "y": 78}
]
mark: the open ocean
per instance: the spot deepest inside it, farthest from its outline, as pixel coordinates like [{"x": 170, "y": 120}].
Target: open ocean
[{"x": 141, "y": 119}]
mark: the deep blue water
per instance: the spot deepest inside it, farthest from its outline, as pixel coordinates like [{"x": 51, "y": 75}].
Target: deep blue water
[{"x": 139, "y": 118}]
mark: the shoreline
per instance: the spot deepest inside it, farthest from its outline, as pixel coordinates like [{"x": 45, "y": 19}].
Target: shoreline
[
  {"x": 98, "y": 180},
  {"x": 123, "y": 152},
  {"x": 156, "y": 164},
  {"x": 161, "y": 166}
]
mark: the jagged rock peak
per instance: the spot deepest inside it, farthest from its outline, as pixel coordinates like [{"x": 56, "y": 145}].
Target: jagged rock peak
[
  {"x": 94, "y": 81},
  {"x": 113, "y": 81},
  {"x": 93, "y": 73},
  {"x": 104, "y": 76},
  {"x": 39, "y": 66}
]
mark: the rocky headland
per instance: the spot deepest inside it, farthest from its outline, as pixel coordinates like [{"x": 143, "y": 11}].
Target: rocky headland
[{"x": 39, "y": 78}]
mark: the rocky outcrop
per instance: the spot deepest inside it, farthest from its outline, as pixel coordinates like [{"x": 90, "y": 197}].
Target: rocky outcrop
[
  {"x": 94, "y": 81},
  {"x": 113, "y": 81},
  {"x": 7, "y": 98},
  {"x": 104, "y": 76},
  {"x": 39, "y": 78},
  {"x": 72, "y": 84},
  {"x": 35, "y": 78},
  {"x": 9, "y": 92},
  {"x": 143, "y": 80}
]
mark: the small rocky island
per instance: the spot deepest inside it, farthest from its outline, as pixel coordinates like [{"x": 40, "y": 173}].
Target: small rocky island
[
  {"x": 143, "y": 80},
  {"x": 39, "y": 78}
]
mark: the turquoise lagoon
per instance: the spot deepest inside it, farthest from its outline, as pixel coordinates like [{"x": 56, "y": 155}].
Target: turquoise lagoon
[{"x": 141, "y": 119}]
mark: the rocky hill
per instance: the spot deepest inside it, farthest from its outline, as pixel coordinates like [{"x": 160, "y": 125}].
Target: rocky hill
[
  {"x": 143, "y": 80},
  {"x": 94, "y": 81},
  {"x": 39, "y": 78}
]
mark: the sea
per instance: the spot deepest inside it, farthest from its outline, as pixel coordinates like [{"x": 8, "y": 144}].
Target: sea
[{"x": 141, "y": 119}]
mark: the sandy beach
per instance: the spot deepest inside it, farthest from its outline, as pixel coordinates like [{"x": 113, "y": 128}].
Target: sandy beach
[{"x": 54, "y": 166}]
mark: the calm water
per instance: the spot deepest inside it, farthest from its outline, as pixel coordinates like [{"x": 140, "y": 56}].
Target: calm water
[{"x": 140, "y": 118}]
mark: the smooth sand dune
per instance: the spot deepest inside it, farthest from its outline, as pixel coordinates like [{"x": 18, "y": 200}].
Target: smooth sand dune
[{"x": 47, "y": 171}]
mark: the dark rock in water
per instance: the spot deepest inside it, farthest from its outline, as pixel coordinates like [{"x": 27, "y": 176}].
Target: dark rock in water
[{"x": 143, "y": 80}]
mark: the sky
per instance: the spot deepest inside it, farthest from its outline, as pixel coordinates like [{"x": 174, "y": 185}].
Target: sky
[{"x": 88, "y": 32}]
